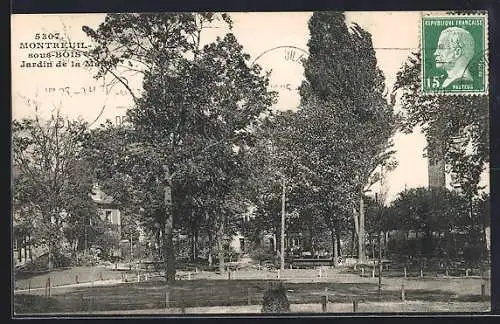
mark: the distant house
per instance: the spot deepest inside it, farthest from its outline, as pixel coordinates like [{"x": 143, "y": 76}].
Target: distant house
[
  {"x": 107, "y": 209},
  {"x": 108, "y": 212},
  {"x": 238, "y": 243}
]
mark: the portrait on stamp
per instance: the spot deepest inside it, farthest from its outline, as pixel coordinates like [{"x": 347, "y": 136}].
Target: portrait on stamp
[{"x": 454, "y": 50}]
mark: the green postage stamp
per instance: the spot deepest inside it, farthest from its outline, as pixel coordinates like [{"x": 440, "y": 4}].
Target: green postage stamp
[{"x": 454, "y": 54}]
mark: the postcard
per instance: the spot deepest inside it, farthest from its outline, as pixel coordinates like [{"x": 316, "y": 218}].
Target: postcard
[{"x": 174, "y": 163}]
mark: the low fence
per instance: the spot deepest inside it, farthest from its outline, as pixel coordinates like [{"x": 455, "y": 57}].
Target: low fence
[
  {"x": 318, "y": 297},
  {"x": 322, "y": 272},
  {"x": 413, "y": 271}
]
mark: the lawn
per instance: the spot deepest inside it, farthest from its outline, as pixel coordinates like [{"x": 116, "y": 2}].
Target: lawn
[
  {"x": 67, "y": 276},
  {"x": 342, "y": 289}
]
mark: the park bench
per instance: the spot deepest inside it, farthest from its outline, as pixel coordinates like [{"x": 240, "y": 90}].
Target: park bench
[
  {"x": 150, "y": 265},
  {"x": 311, "y": 262},
  {"x": 185, "y": 276}
]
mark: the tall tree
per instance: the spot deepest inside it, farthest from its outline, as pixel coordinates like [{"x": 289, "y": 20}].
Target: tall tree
[
  {"x": 155, "y": 45},
  {"x": 194, "y": 100},
  {"x": 346, "y": 121},
  {"x": 51, "y": 184},
  {"x": 276, "y": 174}
]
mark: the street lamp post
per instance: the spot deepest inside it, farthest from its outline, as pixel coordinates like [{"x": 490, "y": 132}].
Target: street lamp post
[
  {"x": 282, "y": 265},
  {"x": 379, "y": 229},
  {"x": 129, "y": 225}
]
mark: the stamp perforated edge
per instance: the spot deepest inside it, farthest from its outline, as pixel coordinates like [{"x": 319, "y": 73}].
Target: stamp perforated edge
[{"x": 443, "y": 14}]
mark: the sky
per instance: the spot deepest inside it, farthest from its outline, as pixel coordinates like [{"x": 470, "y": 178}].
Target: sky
[{"x": 269, "y": 38}]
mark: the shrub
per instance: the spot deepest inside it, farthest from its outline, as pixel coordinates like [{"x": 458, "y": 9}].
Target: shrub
[
  {"x": 275, "y": 300},
  {"x": 62, "y": 260},
  {"x": 261, "y": 255}
]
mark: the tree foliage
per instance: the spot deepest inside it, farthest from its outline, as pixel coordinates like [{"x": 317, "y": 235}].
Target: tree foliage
[
  {"x": 457, "y": 127},
  {"x": 345, "y": 121},
  {"x": 195, "y": 109},
  {"x": 51, "y": 182}
]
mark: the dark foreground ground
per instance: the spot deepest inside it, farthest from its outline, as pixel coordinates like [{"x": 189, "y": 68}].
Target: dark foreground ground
[{"x": 428, "y": 294}]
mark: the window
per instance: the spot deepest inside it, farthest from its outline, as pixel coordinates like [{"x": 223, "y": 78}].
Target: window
[
  {"x": 242, "y": 244},
  {"x": 108, "y": 215}
]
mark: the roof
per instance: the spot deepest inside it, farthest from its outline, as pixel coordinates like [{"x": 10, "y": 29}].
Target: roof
[{"x": 100, "y": 196}]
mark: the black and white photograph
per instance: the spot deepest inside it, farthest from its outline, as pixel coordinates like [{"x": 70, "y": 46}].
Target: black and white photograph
[{"x": 191, "y": 163}]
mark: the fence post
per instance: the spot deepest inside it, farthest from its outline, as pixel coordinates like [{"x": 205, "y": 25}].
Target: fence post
[
  {"x": 279, "y": 273},
  {"x": 49, "y": 283},
  {"x": 320, "y": 274},
  {"x": 29, "y": 285},
  {"x": 405, "y": 273},
  {"x": 362, "y": 271},
  {"x": 76, "y": 279},
  {"x": 183, "y": 307},
  {"x": 446, "y": 271},
  {"x": 167, "y": 299},
  {"x": 483, "y": 290},
  {"x": 403, "y": 292},
  {"x": 229, "y": 275},
  {"x": 467, "y": 272},
  {"x": 373, "y": 272},
  {"x": 354, "y": 306},
  {"x": 325, "y": 300},
  {"x": 249, "y": 296},
  {"x": 421, "y": 272},
  {"x": 189, "y": 275}
]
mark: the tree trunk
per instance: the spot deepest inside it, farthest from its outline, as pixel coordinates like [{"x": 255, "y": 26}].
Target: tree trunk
[
  {"x": 220, "y": 247},
  {"x": 30, "y": 249},
  {"x": 190, "y": 236},
  {"x": 372, "y": 241},
  {"x": 168, "y": 237},
  {"x": 339, "y": 246},
  {"x": 210, "y": 248},
  {"x": 353, "y": 243},
  {"x": 50, "y": 264},
  {"x": 76, "y": 245},
  {"x": 356, "y": 220},
  {"x": 158, "y": 238},
  {"x": 485, "y": 238},
  {"x": 429, "y": 242},
  {"x": 361, "y": 236},
  {"x": 196, "y": 244},
  {"x": 191, "y": 246},
  {"x": 335, "y": 248},
  {"x": 25, "y": 249},
  {"x": 19, "y": 252},
  {"x": 386, "y": 239}
]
